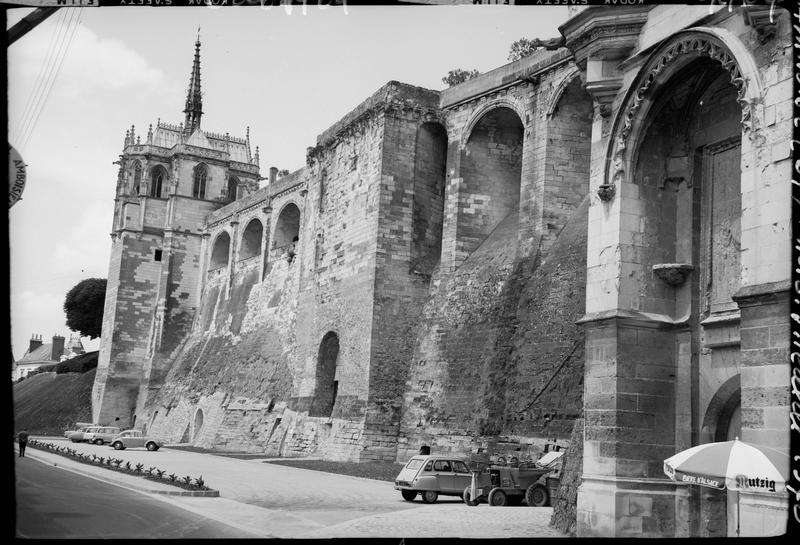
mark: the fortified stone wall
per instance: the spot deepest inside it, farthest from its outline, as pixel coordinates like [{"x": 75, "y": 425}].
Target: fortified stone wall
[
  {"x": 498, "y": 360},
  {"x": 337, "y": 229},
  {"x": 497, "y": 357}
]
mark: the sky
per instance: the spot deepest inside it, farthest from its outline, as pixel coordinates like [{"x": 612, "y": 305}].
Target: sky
[{"x": 287, "y": 74}]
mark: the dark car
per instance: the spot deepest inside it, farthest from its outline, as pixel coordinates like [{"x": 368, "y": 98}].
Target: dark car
[{"x": 432, "y": 476}]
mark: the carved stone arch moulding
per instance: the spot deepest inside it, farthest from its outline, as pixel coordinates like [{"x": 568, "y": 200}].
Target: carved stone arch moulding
[
  {"x": 502, "y": 102},
  {"x": 559, "y": 90},
  {"x": 713, "y": 43}
]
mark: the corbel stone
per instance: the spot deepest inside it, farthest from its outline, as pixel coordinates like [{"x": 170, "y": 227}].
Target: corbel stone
[{"x": 762, "y": 19}]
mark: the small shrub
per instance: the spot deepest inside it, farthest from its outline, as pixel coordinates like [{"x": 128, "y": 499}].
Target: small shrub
[{"x": 172, "y": 477}]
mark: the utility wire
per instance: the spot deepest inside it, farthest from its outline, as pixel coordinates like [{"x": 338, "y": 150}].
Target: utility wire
[
  {"x": 43, "y": 82},
  {"x": 52, "y": 75},
  {"x": 72, "y": 29},
  {"x": 25, "y": 117}
]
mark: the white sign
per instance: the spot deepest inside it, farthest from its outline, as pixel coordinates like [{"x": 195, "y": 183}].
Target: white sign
[{"x": 16, "y": 176}]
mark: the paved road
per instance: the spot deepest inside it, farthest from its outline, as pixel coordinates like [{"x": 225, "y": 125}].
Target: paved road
[
  {"x": 278, "y": 501},
  {"x": 55, "y": 504}
]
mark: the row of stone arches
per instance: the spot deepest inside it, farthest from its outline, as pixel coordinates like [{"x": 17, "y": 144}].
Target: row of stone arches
[
  {"x": 502, "y": 173},
  {"x": 285, "y": 238}
]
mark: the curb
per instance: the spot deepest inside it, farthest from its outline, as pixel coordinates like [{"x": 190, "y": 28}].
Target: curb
[{"x": 107, "y": 477}]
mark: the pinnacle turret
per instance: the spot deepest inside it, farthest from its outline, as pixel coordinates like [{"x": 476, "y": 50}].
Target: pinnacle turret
[{"x": 194, "y": 98}]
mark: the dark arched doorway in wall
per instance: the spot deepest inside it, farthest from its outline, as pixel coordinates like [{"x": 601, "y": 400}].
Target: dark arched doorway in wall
[
  {"x": 327, "y": 385},
  {"x": 198, "y": 425},
  {"x": 491, "y": 168},
  {"x": 722, "y": 422},
  {"x": 220, "y": 252},
  {"x": 251, "y": 240},
  {"x": 430, "y": 163},
  {"x": 287, "y": 231}
]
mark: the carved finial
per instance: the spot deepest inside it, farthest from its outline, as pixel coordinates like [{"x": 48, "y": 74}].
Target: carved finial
[
  {"x": 138, "y": 140},
  {"x": 133, "y": 131},
  {"x": 150, "y": 133},
  {"x": 256, "y": 158},
  {"x": 127, "y": 138}
]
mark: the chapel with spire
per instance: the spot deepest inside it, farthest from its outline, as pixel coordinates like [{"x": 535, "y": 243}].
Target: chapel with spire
[{"x": 169, "y": 180}]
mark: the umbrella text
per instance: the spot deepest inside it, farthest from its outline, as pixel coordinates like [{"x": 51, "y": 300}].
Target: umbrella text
[
  {"x": 743, "y": 482},
  {"x": 701, "y": 480}
]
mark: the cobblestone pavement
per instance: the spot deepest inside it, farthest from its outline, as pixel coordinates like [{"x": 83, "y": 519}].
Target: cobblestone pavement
[{"x": 271, "y": 500}]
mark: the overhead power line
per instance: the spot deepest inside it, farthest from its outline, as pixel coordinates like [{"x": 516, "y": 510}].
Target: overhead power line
[
  {"x": 26, "y": 116},
  {"x": 70, "y": 28}
]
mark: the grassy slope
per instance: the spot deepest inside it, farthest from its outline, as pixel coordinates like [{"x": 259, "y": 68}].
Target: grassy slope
[{"x": 48, "y": 404}]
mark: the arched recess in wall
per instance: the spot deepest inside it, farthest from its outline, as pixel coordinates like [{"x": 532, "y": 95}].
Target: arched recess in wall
[
  {"x": 673, "y": 56},
  {"x": 686, "y": 164},
  {"x": 220, "y": 252},
  {"x": 158, "y": 180},
  {"x": 251, "y": 239},
  {"x": 136, "y": 173},
  {"x": 491, "y": 169},
  {"x": 430, "y": 164},
  {"x": 233, "y": 188},
  {"x": 723, "y": 418},
  {"x": 198, "y": 425},
  {"x": 327, "y": 384},
  {"x": 199, "y": 180},
  {"x": 287, "y": 230}
]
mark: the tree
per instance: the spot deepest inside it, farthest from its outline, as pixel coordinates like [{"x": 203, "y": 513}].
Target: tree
[
  {"x": 84, "y": 307},
  {"x": 522, "y": 48},
  {"x": 454, "y": 77}
]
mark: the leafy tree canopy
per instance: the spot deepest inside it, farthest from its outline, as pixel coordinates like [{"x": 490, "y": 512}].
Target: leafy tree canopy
[
  {"x": 84, "y": 307},
  {"x": 522, "y": 48},
  {"x": 454, "y": 77}
]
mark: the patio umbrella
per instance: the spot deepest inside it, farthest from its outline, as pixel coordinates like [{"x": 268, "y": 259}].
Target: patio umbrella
[{"x": 734, "y": 465}]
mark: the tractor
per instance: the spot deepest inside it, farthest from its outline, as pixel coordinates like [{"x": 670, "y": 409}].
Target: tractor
[{"x": 499, "y": 484}]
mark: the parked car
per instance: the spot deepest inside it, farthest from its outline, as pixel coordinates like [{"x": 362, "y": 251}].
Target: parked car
[
  {"x": 133, "y": 439},
  {"x": 80, "y": 427},
  {"x": 100, "y": 434},
  {"x": 432, "y": 476}
]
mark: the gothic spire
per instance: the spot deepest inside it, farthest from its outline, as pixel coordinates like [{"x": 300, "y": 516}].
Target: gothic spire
[{"x": 194, "y": 98}]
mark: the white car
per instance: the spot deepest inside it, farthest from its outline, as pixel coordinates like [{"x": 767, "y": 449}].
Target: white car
[{"x": 95, "y": 434}]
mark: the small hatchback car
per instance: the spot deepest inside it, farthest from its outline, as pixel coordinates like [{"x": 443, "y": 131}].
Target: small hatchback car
[
  {"x": 432, "y": 476},
  {"x": 133, "y": 439}
]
